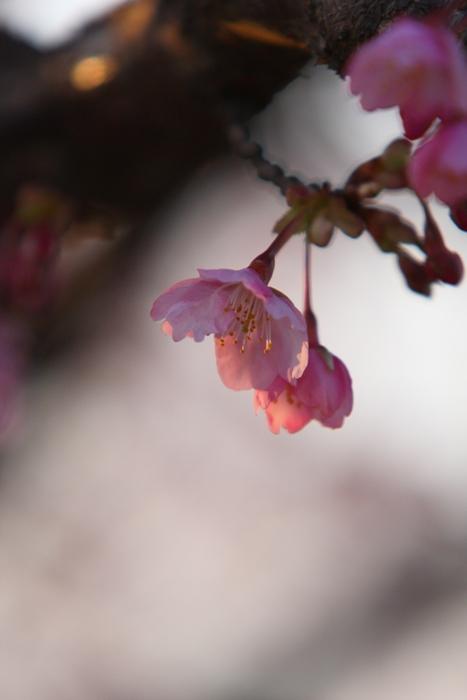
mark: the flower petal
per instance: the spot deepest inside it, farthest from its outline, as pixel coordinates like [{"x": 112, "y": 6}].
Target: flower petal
[
  {"x": 286, "y": 411},
  {"x": 186, "y": 308},
  {"x": 328, "y": 390},
  {"x": 251, "y": 369},
  {"x": 323, "y": 393},
  {"x": 248, "y": 277},
  {"x": 417, "y": 67},
  {"x": 440, "y": 164}
]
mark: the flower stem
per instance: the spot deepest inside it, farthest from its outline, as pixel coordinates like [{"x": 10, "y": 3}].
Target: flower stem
[
  {"x": 263, "y": 264},
  {"x": 282, "y": 238},
  {"x": 310, "y": 318},
  {"x": 433, "y": 238}
]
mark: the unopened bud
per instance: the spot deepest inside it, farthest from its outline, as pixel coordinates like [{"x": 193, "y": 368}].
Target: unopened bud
[
  {"x": 446, "y": 266},
  {"x": 416, "y": 275}
]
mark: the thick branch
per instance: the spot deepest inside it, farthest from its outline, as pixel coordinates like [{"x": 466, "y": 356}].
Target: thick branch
[{"x": 343, "y": 25}]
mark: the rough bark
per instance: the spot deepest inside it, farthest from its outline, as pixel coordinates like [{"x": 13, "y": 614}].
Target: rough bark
[{"x": 342, "y": 25}]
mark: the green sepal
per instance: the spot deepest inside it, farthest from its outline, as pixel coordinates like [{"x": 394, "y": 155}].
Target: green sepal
[{"x": 287, "y": 219}]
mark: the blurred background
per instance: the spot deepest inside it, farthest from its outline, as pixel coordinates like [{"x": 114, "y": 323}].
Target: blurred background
[{"x": 156, "y": 541}]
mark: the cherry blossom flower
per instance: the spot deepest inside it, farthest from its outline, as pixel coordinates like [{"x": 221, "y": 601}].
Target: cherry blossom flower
[
  {"x": 414, "y": 66},
  {"x": 440, "y": 164},
  {"x": 323, "y": 393},
  {"x": 260, "y": 335}
]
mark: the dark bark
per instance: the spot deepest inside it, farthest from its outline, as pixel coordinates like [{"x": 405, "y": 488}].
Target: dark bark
[{"x": 343, "y": 25}]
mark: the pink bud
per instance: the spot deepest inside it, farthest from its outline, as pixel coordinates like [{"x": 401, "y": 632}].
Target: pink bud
[{"x": 323, "y": 393}]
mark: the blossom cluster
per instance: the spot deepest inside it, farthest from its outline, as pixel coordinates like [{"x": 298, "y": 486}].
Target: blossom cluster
[
  {"x": 29, "y": 247},
  {"x": 420, "y": 68},
  {"x": 262, "y": 342}
]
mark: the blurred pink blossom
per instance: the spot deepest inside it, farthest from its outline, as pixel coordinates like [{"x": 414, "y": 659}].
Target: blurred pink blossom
[
  {"x": 416, "y": 67},
  {"x": 440, "y": 164},
  {"x": 323, "y": 393},
  {"x": 27, "y": 274},
  {"x": 260, "y": 335},
  {"x": 11, "y": 369}
]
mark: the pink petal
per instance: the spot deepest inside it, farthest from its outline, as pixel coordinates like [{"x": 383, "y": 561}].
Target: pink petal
[
  {"x": 328, "y": 390},
  {"x": 215, "y": 304},
  {"x": 415, "y": 121},
  {"x": 256, "y": 369},
  {"x": 440, "y": 164},
  {"x": 185, "y": 306},
  {"x": 417, "y": 67},
  {"x": 251, "y": 369},
  {"x": 288, "y": 413},
  {"x": 262, "y": 398},
  {"x": 280, "y": 307},
  {"x": 289, "y": 350},
  {"x": 174, "y": 294},
  {"x": 248, "y": 277}
]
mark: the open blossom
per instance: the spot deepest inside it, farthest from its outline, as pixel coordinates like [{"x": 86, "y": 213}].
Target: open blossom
[
  {"x": 323, "y": 393},
  {"x": 260, "y": 335},
  {"x": 440, "y": 164},
  {"x": 416, "y": 67}
]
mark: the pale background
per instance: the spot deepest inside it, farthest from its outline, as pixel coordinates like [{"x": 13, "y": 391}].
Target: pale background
[{"x": 156, "y": 541}]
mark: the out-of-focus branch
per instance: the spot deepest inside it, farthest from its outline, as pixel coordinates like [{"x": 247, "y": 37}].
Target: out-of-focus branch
[
  {"x": 125, "y": 112},
  {"x": 122, "y": 114}
]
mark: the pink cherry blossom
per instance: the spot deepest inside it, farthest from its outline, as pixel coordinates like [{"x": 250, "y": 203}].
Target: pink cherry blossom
[
  {"x": 260, "y": 335},
  {"x": 323, "y": 393},
  {"x": 11, "y": 368},
  {"x": 414, "y": 66},
  {"x": 440, "y": 164}
]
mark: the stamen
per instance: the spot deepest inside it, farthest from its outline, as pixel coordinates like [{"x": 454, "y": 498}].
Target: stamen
[{"x": 250, "y": 322}]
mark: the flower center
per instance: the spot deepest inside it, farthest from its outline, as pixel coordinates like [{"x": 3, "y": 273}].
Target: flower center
[{"x": 250, "y": 322}]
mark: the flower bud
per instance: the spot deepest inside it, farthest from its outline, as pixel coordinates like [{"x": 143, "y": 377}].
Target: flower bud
[
  {"x": 416, "y": 275},
  {"x": 445, "y": 266}
]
